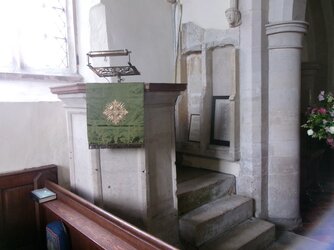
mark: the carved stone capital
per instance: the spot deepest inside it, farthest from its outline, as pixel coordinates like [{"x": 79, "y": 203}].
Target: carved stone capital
[
  {"x": 286, "y": 34},
  {"x": 233, "y": 17}
]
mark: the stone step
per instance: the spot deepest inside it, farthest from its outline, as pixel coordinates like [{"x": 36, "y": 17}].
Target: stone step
[
  {"x": 291, "y": 241},
  {"x": 212, "y": 219},
  {"x": 254, "y": 234},
  {"x": 203, "y": 189}
]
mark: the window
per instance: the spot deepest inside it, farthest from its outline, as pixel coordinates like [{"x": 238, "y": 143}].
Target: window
[{"x": 37, "y": 37}]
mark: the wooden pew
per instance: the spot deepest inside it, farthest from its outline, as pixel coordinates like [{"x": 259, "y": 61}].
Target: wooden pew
[
  {"x": 18, "y": 218},
  {"x": 90, "y": 227}
]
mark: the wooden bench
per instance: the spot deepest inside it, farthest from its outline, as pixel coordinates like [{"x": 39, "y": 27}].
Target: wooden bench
[
  {"x": 90, "y": 227},
  {"x": 23, "y": 221},
  {"x": 17, "y": 210}
]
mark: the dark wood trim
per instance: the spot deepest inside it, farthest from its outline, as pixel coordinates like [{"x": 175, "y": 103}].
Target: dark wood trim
[
  {"x": 101, "y": 220},
  {"x": 149, "y": 87},
  {"x": 165, "y": 87},
  {"x": 84, "y": 233},
  {"x": 27, "y": 176},
  {"x": 2, "y": 218},
  {"x": 19, "y": 227}
]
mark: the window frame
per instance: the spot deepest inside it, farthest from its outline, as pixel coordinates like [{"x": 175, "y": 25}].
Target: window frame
[{"x": 70, "y": 73}]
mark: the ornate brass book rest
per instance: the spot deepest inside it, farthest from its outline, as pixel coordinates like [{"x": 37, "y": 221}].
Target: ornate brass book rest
[{"x": 112, "y": 71}]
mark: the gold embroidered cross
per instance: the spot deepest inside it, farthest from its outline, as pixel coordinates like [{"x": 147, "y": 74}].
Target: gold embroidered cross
[{"x": 115, "y": 112}]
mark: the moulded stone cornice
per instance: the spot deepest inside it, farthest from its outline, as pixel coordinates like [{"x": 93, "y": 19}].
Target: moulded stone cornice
[
  {"x": 194, "y": 37},
  {"x": 286, "y": 26},
  {"x": 220, "y": 38},
  {"x": 286, "y": 34}
]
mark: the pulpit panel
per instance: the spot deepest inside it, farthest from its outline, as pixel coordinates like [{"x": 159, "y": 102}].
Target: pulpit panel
[{"x": 211, "y": 106}]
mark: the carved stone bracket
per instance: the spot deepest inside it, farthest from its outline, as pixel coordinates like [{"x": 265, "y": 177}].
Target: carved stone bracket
[{"x": 233, "y": 14}]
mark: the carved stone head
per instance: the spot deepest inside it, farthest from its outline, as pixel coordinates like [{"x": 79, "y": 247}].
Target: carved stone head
[{"x": 233, "y": 17}]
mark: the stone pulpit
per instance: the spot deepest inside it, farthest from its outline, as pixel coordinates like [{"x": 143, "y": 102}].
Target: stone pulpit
[{"x": 137, "y": 184}]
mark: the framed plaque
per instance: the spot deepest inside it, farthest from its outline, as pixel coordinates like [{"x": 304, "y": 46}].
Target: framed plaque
[{"x": 220, "y": 121}]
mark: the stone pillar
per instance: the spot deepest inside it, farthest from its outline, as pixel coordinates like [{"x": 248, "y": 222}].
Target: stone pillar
[{"x": 285, "y": 44}]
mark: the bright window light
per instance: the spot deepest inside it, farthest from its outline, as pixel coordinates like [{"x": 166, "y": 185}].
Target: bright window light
[{"x": 35, "y": 36}]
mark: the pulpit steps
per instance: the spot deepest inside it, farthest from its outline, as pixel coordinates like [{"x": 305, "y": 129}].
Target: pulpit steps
[
  {"x": 203, "y": 189},
  {"x": 212, "y": 216}
]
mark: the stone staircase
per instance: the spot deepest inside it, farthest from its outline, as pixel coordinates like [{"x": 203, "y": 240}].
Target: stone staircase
[{"x": 212, "y": 216}]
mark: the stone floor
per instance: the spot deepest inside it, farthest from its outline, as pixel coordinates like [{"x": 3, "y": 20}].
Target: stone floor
[{"x": 318, "y": 215}]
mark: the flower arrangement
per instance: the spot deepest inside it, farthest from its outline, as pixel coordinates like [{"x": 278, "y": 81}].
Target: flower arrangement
[{"x": 320, "y": 119}]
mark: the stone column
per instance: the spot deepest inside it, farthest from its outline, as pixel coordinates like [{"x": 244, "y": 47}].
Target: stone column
[{"x": 285, "y": 44}]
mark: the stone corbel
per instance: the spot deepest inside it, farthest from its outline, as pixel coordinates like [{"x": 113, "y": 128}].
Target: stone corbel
[{"x": 233, "y": 14}]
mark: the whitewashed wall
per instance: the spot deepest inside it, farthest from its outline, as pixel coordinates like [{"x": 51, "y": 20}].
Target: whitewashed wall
[
  {"x": 33, "y": 123},
  {"x": 208, "y": 14},
  {"x": 33, "y": 134},
  {"x": 146, "y": 28}
]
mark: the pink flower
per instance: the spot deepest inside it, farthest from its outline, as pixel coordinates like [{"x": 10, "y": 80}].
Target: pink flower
[
  {"x": 330, "y": 141},
  {"x": 322, "y": 111}
]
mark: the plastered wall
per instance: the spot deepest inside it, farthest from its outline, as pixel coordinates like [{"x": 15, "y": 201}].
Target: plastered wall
[
  {"x": 146, "y": 28},
  {"x": 33, "y": 134},
  {"x": 208, "y": 14}
]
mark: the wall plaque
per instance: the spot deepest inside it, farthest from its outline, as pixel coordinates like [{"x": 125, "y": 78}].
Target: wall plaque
[{"x": 220, "y": 122}]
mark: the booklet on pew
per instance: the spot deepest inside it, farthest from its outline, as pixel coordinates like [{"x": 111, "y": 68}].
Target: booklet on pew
[{"x": 42, "y": 195}]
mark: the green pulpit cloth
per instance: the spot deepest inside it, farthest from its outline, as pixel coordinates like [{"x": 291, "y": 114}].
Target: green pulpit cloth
[{"x": 115, "y": 115}]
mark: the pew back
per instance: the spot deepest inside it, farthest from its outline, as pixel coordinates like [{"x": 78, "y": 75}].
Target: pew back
[
  {"x": 18, "y": 220},
  {"x": 93, "y": 228}
]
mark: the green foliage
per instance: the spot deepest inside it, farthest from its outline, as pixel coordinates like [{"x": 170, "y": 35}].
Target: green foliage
[{"x": 320, "y": 119}]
